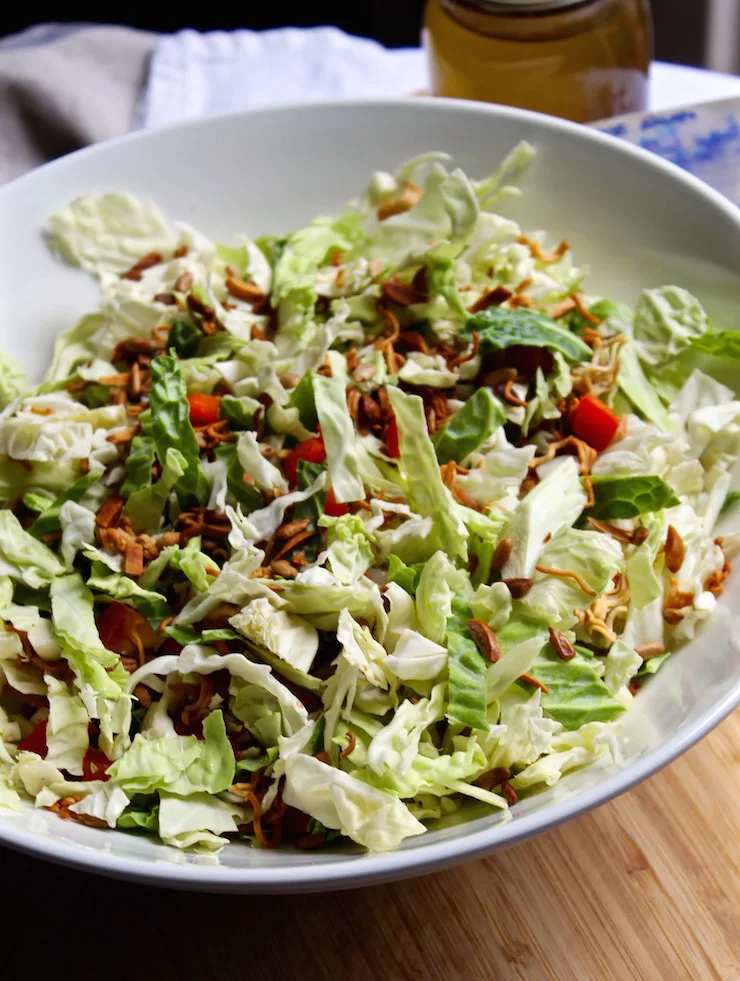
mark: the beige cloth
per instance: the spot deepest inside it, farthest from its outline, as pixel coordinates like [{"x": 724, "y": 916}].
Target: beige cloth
[{"x": 62, "y": 88}]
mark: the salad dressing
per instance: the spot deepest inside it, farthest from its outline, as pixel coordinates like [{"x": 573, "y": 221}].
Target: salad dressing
[{"x": 579, "y": 60}]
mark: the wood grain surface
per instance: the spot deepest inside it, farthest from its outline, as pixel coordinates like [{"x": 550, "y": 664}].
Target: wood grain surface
[{"x": 646, "y": 887}]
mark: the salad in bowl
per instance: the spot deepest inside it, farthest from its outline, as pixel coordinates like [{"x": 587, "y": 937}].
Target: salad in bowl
[{"x": 310, "y": 539}]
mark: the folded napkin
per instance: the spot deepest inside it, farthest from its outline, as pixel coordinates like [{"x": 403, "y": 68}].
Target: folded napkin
[
  {"x": 65, "y": 86},
  {"x": 196, "y": 74}
]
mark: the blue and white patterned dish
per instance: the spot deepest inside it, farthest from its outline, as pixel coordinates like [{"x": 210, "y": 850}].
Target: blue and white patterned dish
[{"x": 703, "y": 139}]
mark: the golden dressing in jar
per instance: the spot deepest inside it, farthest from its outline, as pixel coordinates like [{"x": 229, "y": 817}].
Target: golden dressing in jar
[{"x": 580, "y": 59}]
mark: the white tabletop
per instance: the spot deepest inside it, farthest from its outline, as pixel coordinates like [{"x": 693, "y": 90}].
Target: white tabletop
[{"x": 679, "y": 85}]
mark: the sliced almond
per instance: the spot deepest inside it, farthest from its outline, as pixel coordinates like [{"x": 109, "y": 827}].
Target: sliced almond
[
  {"x": 403, "y": 201},
  {"x": 640, "y": 535},
  {"x": 561, "y": 645},
  {"x": 292, "y": 528},
  {"x": 242, "y": 290},
  {"x": 674, "y": 550},
  {"x": 353, "y": 402},
  {"x": 284, "y": 568},
  {"x": 168, "y": 299},
  {"x": 518, "y": 587},
  {"x": 289, "y": 379},
  {"x": 144, "y": 695},
  {"x": 293, "y": 542},
  {"x": 123, "y": 435},
  {"x": 502, "y": 554},
  {"x": 138, "y": 268},
  {"x": 509, "y": 793},
  {"x": 121, "y": 378},
  {"x": 370, "y": 408},
  {"x": 646, "y": 651},
  {"x": 183, "y": 282},
  {"x": 672, "y": 616},
  {"x": 462, "y": 497},
  {"x": 485, "y": 640},
  {"x": 493, "y": 778}
]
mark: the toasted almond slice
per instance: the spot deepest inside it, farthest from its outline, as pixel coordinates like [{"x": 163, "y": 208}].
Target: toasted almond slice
[
  {"x": 561, "y": 645},
  {"x": 653, "y": 649},
  {"x": 462, "y": 497},
  {"x": 292, "y": 528},
  {"x": 674, "y": 550},
  {"x": 243, "y": 290},
  {"x": 518, "y": 587},
  {"x": 403, "y": 201},
  {"x": 485, "y": 640},
  {"x": 509, "y": 793},
  {"x": 292, "y": 543},
  {"x": 138, "y": 268},
  {"x": 501, "y": 555},
  {"x": 123, "y": 435},
  {"x": 640, "y": 535},
  {"x": 121, "y": 378},
  {"x": 284, "y": 568}
]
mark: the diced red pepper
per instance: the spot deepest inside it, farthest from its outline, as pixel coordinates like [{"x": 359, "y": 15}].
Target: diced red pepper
[
  {"x": 95, "y": 765},
  {"x": 594, "y": 422},
  {"x": 332, "y": 507},
  {"x": 392, "y": 443},
  {"x": 204, "y": 409},
  {"x": 311, "y": 450},
  {"x": 35, "y": 741}
]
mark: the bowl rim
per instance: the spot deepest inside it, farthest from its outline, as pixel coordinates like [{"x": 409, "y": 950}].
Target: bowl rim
[{"x": 370, "y": 869}]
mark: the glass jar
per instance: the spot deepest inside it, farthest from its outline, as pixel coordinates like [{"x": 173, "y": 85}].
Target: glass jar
[{"x": 580, "y": 59}]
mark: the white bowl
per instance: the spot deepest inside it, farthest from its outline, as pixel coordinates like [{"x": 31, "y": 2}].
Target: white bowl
[{"x": 635, "y": 220}]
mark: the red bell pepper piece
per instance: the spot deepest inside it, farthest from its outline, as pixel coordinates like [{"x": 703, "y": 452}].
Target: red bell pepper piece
[
  {"x": 392, "y": 443},
  {"x": 35, "y": 741},
  {"x": 311, "y": 450},
  {"x": 594, "y": 422},
  {"x": 95, "y": 765},
  {"x": 333, "y": 507},
  {"x": 204, "y": 409}
]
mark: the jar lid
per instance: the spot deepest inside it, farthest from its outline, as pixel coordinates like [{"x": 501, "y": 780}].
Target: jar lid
[{"x": 517, "y": 6}]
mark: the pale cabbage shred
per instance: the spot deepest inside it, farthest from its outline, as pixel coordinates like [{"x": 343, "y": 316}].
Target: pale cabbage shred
[{"x": 400, "y": 725}]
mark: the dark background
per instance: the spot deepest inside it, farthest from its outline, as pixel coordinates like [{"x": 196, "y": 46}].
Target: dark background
[{"x": 679, "y": 24}]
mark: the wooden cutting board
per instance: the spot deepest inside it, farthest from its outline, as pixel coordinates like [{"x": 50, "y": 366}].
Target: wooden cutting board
[{"x": 646, "y": 888}]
